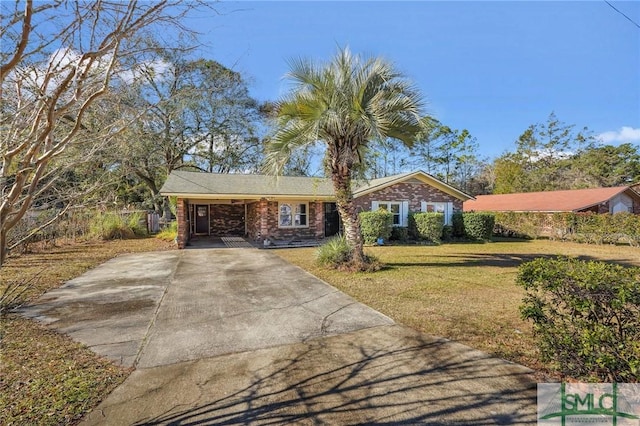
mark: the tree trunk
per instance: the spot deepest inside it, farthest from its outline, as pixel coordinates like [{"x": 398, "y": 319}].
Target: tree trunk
[{"x": 341, "y": 178}]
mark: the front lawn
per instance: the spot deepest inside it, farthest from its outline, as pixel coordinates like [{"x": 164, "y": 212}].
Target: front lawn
[{"x": 464, "y": 292}]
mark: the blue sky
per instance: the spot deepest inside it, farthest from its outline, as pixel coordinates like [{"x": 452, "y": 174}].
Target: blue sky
[{"x": 493, "y": 68}]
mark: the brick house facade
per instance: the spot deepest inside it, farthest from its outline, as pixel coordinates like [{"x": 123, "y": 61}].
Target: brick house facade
[
  {"x": 412, "y": 191},
  {"x": 260, "y": 208}
]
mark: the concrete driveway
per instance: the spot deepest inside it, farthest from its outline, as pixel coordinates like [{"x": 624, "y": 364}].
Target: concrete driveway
[{"x": 239, "y": 336}]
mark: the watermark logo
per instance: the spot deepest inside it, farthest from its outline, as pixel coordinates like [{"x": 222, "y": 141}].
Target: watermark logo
[{"x": 566, "y": 404}]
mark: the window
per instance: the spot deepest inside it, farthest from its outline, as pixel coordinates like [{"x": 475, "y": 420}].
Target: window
[
  {"x": 441, "y": 207},
  {"x": 399, "y": 210},
  {"x": 292, "y": 215},
  {"x": 435, "y": 207},
  {"x": 394, "y": 209}
]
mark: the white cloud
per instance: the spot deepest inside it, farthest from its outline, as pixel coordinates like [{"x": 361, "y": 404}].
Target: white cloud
[{"x": 625, "y": 134}]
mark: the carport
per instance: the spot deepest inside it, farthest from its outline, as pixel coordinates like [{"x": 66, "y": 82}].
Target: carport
[{"x": 218, "y": 218}]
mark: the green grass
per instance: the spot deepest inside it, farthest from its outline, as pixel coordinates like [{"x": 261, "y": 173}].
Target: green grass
[{"x": 463, "y": 292}]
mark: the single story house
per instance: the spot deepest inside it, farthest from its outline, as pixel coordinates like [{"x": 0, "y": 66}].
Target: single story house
[
  {"x": 262, "y": 207},
  {"x": 597, "y": 200}
]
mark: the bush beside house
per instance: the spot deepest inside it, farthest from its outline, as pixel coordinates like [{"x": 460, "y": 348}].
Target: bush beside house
[
  {"x": 478, "y": 226},
  {"x": 427, "y": 226},
  {"x": 376, "y": 224}
]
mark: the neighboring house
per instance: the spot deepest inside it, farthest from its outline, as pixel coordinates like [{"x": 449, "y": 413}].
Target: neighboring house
[
  {"x": 597, "y": 200},
  {"x": 266, "y": 207}
]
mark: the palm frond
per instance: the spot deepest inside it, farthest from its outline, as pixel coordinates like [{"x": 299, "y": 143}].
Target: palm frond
[{"x": 345, "y": 103}]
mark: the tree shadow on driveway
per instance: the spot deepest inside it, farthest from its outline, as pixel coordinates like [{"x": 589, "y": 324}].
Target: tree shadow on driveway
[{"x": 383, "y": 375}]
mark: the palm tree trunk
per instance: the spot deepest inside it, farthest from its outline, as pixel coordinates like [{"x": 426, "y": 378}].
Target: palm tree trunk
[{"x": 341, "y": 178}]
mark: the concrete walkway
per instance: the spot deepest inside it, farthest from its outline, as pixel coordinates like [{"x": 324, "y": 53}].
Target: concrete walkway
[{"x": 239, "y": 336}]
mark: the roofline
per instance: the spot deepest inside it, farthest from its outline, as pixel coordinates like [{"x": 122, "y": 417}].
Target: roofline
[
  {"x": 256, "y": 197},
  {"x": 623, "y": 189},
  {"x": 402, "y": 177},
  {"x": 431, "y": 180},
  {"x": 525, "y": 211}
]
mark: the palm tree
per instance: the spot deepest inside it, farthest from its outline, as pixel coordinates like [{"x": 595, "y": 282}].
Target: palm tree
[{"x": 345, "y": 104}]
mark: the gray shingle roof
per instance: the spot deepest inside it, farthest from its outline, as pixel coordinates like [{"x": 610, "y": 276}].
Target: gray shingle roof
[
  {"x": 195, "y": 184},
  {"x": 199, "y": 183}
]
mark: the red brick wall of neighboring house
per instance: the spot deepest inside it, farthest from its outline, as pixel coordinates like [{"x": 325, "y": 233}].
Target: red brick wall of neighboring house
[
  {"x": 412, "y": 191},
  {"x": 226, "y": 220},
  {"x": 183, "y": 222}
]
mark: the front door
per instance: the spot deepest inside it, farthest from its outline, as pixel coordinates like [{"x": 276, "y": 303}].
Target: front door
[
  {"x": 331, "y": 219},
  {"x": 202, "y": 219}
]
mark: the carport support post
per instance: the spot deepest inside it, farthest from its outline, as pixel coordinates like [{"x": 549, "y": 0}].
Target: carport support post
[
  {"x": 264, "y": 218},
  {"x": 183, "y": 223}
]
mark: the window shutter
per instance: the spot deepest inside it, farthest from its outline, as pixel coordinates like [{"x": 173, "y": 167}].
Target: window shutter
[
  {"x": 374, "y": 206},
  {"x": 423, "y": 206},
  {"x": 404, "y": 214}
]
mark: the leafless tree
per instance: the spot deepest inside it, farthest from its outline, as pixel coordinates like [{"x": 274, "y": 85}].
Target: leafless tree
[{"x": 58, "y": 58}]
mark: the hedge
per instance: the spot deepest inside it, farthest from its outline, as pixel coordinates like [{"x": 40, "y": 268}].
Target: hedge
[
  {"x": 457, "y": 225},
  {"x": 427, "y": 226},
  {"x": 478, "y": 226},
  {"x": 586, "y": 317},
  {"x": 376, "y": 224},
  {"x": 580, "y": 227}
]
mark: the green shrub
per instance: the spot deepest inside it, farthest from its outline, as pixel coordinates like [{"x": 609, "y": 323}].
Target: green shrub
[
  {"x": 399, "y": 233},
  {"x": 478, "y": 226},
  {"x": 137, "y": 223},
  {"x": 586, "y": 317},
  {"x": 334, "y": 253},
  {"x": 428, "y": 226},
  {"x": 457, "y": 225},
  {"x": 629, "y": 226},
  {"x": 170, "y": 233},
  {"x": 374, "y": 225},
  {"x": 590, "y": 227},
  {"x": 114, "y": 226},
  {"x": 587, "y": 227},
  {"x": 520, "y": 224},
  {"x": 447, "y": 233}
]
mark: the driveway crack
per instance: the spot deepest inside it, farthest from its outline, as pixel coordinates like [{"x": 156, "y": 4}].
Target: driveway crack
[{"x": 324, "y": 325}]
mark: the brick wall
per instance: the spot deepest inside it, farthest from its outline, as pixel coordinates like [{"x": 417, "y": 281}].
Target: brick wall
[
  {"x": 253, "y": 221},
  {"x": 412, "y": 191},
  {"x": 226, "y": 220},
  {"x": 315, "y": 221}
]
